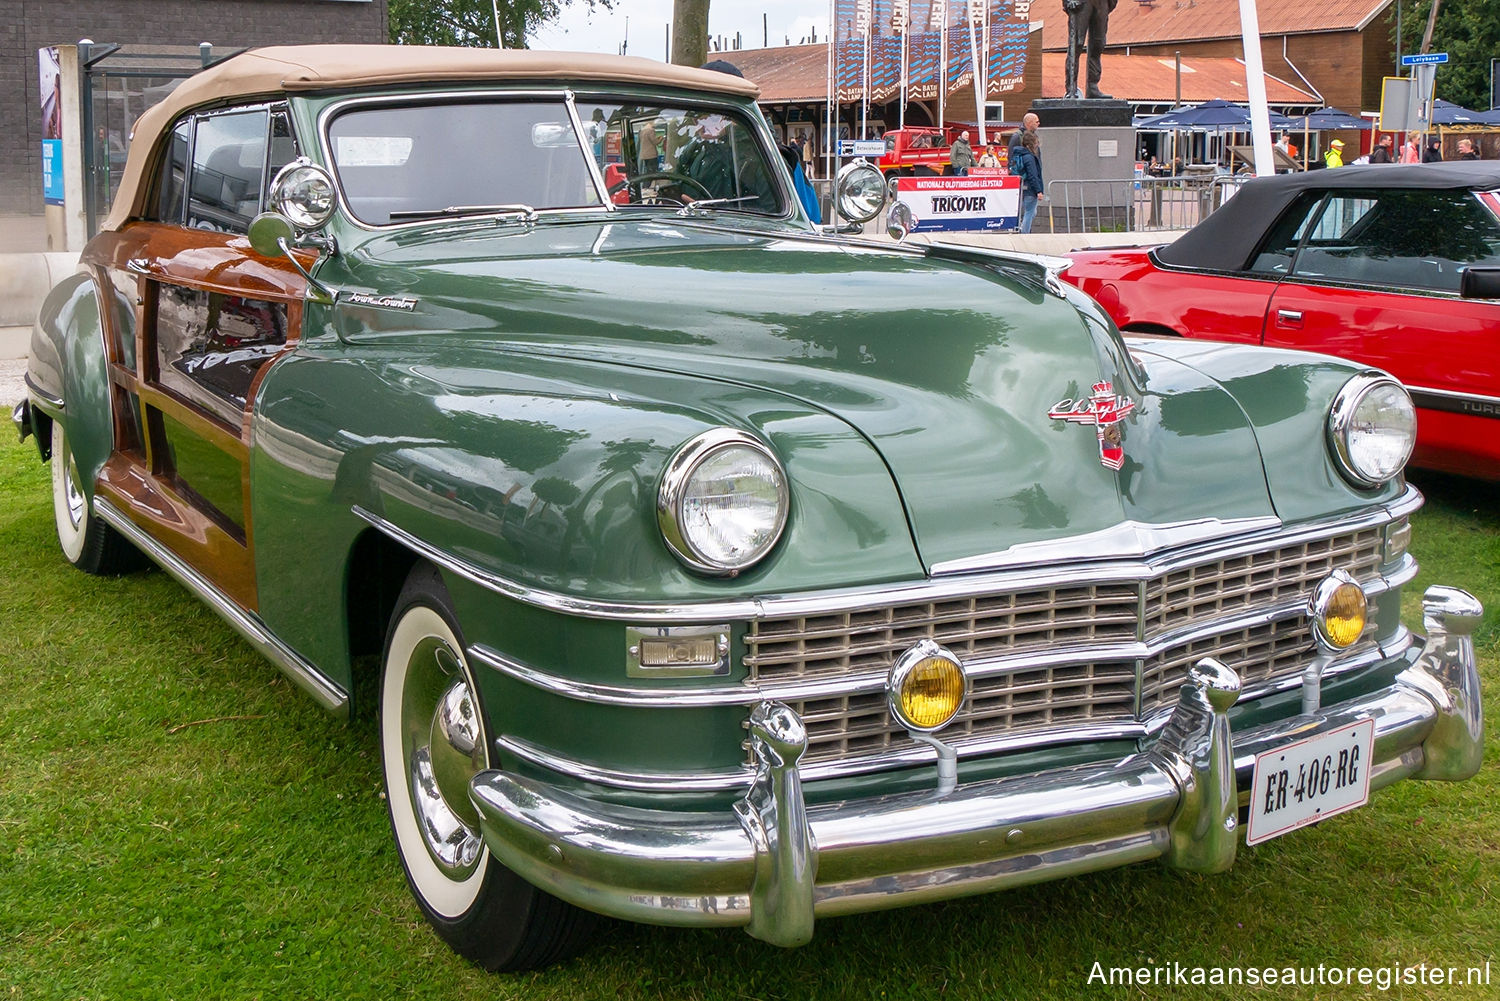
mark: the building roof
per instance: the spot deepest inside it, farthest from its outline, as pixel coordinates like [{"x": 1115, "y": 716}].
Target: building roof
[
  {"x": 1155, "y": 22},
  {"x": 305, "y": 68},
  {"x": 1153, "y": 79},
  {"x": 786, "y": 74}
]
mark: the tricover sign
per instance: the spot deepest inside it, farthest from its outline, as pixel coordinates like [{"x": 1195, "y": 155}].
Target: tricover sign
[{"x": 947, "y": 204}]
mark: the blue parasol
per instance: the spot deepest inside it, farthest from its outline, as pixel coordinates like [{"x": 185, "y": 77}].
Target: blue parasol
[
  {"x": 1448, "y": 113},
  {"x": 1213, "y": 115},
  {"x": 1331, "y": 120}
]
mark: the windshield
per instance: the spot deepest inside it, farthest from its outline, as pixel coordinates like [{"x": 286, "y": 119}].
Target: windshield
[
  {"x": 476, "y": 155},
  {"x": 425, "y": 159},
  {"x": 652, "y": 154}
]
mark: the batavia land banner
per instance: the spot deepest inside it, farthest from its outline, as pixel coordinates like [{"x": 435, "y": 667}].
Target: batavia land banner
[{"x": 935, "y": 31}]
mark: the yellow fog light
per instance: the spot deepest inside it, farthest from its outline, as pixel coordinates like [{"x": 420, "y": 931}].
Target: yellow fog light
[
  {"x": 927, "y": 687},
  {"x": 1338, "y": 610}
]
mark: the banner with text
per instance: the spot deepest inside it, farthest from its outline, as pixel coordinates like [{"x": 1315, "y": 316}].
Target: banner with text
[
  {"x": 49, "y": 72},
  {"x": 949, "y": 204},
  {"x": 1002, "y": 29}
]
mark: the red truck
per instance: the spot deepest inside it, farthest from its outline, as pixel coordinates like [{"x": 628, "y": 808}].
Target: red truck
[{"x": 923, "y": 150}]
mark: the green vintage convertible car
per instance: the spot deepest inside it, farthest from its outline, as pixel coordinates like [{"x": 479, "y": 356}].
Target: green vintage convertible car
[{"x": 721, "y": 571}]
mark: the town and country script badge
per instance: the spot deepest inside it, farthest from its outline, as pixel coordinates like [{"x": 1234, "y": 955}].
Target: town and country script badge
[{"x": 1104, "y": 409}]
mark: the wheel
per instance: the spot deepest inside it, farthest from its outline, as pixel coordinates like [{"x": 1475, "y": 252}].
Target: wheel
[
  {"x": 634, "y": 184},
  {"x": 87, "y": 542},
  {"x": 433, "y": 741}
]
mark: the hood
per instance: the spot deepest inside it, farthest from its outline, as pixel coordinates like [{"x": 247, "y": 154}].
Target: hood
[{"x": 948, "y": 363}]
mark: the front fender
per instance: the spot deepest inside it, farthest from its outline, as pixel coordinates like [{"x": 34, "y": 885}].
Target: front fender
[
  {"x": 68, "y": 362},
  {"x": 1287, "y": 396},
  {"x": 540, "y": 471}
]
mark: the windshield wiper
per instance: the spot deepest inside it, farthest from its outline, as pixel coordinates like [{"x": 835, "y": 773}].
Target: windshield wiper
[
  {"x": 525, "y": 212},
  {"x": 700, "y": 206}
]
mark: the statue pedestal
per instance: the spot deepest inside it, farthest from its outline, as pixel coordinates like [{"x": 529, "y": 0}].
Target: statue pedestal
[{"x": 1088, "y": 163}]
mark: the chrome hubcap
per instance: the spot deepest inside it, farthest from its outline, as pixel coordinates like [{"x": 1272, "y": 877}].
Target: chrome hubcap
[
  {"x": 444, "y": 749},
  {"x": 71, "y": 493}
]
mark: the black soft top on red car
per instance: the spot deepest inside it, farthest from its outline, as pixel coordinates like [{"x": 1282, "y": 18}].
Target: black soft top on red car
[{"x": 1226, "y": 240}]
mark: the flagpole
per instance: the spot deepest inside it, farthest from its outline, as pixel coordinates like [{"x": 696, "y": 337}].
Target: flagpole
[
  {"x": 901, "y": 21},
  {"x": 940, "y": 14},
  {"x": 499, "y": 38},
  {"x": 974, "y": 7}
]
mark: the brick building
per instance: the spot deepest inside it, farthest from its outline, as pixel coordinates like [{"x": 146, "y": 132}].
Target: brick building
[{"x": 227, "y": 24}]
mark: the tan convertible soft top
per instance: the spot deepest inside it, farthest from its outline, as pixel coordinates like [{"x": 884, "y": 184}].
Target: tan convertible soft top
[{"x": 304, "y": 68}]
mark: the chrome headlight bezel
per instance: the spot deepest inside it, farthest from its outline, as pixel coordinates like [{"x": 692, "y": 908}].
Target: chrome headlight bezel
[
  {"x": 304, "y": 192},
  {"x": 1342, "y": 424},
  {"x": 677, "y": 477}
]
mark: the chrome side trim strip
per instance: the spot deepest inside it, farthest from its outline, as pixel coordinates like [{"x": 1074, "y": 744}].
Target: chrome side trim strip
[
  {"x": 746, "y": 694},
  {"x": 1471, "y": 404},
  {"x": 676, "y": 697},
  {"x": 329, "y": 695},
  {"x": 616, "y": 778},
  {"x": 871, "y": 596},
  {"x": 647, "y": 613},
  {"x": 42, "y": 397}
]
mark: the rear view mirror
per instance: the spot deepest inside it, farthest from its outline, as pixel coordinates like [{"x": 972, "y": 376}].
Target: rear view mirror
[
  {"x": 1480, "y": 283},
  {"x": 270, "y": 233}
]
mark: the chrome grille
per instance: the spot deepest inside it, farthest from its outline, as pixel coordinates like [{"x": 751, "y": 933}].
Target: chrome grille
[{"x": 1019, "y": 625}]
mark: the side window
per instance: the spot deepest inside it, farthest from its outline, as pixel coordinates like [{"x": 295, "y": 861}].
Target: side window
[
  {"x": 1416, "y": 239},
  {"x": 173, "y": 180},
  {"x": 1275, "y": 256},
  {"x": 210, "y": 345},
  {"x": 228, "y": 174}
]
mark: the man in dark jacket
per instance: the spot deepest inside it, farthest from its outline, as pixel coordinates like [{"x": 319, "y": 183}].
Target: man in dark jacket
[
  {"x": 960, "y": 155},
  {"x": 1382, "y": 152}
]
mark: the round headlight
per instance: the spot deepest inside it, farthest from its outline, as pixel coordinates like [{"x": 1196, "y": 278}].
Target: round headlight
[
  {"x": 861, "y": 191},
  {"x": 1338, "y": 611},
  {"x": 303, "y": 192},
  {"x": 927, "y": 687},
  {"x": 1373, "y": 427},
  {"x": 723, "y": 502}
]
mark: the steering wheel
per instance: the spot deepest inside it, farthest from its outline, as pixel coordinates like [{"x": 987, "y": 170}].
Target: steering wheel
[{"x": 634, "y": 185}]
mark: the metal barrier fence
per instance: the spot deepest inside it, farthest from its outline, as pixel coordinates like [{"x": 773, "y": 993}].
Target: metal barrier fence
[{"x": 1134, "y": 205}]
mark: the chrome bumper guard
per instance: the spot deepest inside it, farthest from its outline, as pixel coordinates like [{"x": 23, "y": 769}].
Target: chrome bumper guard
[{"x": 776, "y": 864}]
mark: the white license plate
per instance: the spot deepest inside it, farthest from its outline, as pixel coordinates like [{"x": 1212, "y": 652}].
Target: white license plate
[{"x": 1310, "y": 780}]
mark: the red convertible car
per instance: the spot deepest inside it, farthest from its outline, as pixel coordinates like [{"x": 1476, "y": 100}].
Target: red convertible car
[{"x": 1395, "y": 266}]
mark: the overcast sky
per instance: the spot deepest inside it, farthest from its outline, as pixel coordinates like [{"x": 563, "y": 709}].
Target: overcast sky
[{"x": 604, "y": 31}]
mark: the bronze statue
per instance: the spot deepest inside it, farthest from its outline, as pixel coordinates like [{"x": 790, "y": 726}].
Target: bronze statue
[{"x": 1088, "y": 20}]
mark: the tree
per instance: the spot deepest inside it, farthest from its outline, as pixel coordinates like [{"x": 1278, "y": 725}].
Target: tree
[
  {"x": 690, "y": 32},
  {"x": 1469, "y": 31},
  {"x": 472, "y": 22}
]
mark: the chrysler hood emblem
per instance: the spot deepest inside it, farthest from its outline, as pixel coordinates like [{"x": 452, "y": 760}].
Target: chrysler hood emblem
[{"x": 1104, "y": 409}]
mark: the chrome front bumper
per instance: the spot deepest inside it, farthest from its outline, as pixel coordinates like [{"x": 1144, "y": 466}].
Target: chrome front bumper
[{"x": 776, "y": 863}]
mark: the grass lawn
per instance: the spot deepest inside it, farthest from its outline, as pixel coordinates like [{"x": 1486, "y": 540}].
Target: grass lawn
[{"x": 250, "y": 857}]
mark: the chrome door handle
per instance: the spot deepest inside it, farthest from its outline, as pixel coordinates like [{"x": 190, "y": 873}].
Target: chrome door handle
[{"x": 1291, "y": 317}]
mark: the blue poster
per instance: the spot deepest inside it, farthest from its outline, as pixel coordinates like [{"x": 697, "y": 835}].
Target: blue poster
[
  {"x": 49, "y": 72},
  {"x": 52, "y": 171}
]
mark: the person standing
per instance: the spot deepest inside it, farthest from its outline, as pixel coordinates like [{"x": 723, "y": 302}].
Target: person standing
[
  {"x": 1411, "y": 150},
  {"x": 1382, "y": 151},
  {"x": 1088, "y": 21},
  {"x": 1026, "y": 162},
  {"x": 1029, "y": 123},
  {"x": 1335, "y": 155},
  {"x": 1466, "y": 150},
  {"x": 960, "y": 155},
  {"x": 1433, "y": 153}
]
